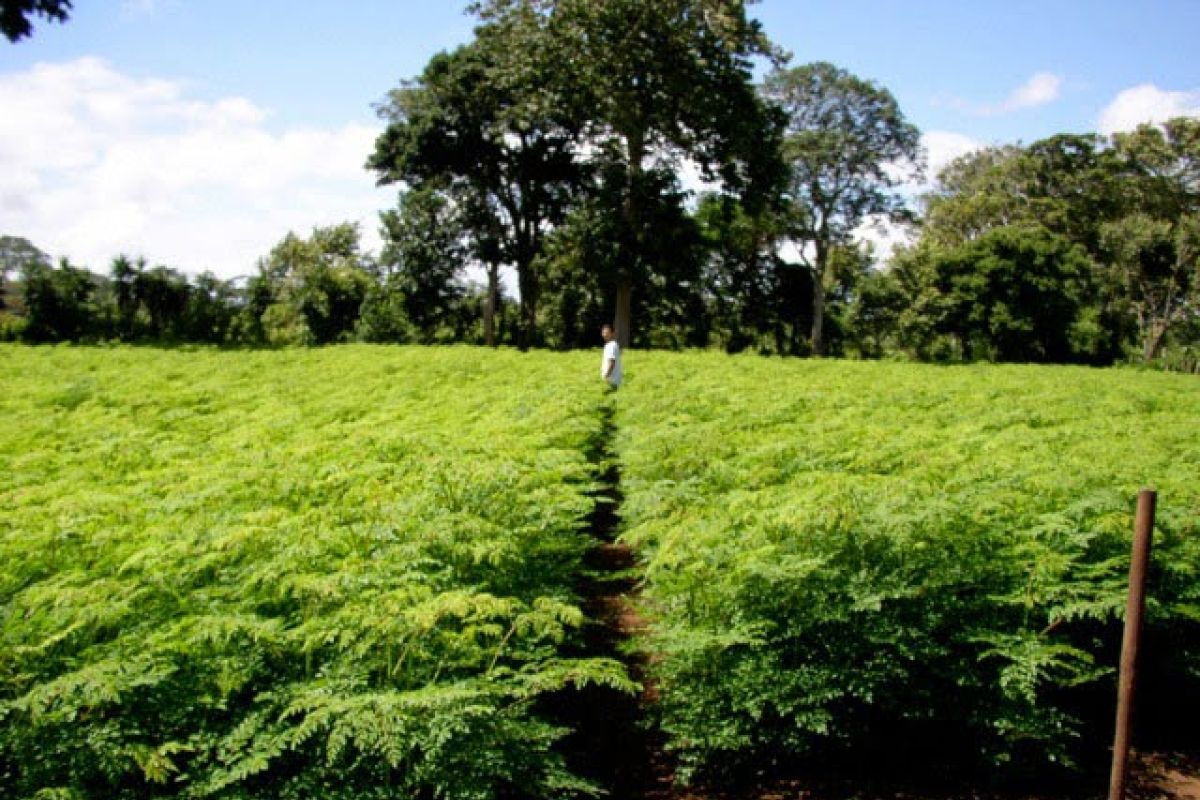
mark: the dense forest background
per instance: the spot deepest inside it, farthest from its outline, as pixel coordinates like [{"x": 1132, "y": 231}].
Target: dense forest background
[{"x": 553, "y": 145}]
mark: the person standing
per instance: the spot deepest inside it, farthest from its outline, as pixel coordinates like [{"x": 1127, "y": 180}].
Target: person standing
[{"x": 610, "y": 361}]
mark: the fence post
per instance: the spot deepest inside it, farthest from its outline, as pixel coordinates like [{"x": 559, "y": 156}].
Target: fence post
[{"x": 1143, "y": 531}]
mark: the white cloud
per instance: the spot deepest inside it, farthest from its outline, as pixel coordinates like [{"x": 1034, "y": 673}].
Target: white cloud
[
  {"x": 1147, "y": 103},
  {"x": 942, "y": 147},
  {"x": 884, "y": 236},
  {"x": 1041, "y": 89},
  {"x": 94, "y": 163}
]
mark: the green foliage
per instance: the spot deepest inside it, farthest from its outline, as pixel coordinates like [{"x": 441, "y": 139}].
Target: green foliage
[
  {"x": 846, "y": 145},
  {"x": 58, "y": 302},
  {"x": 1154, "y": 272},
  {"x": 692, "y": 90},
  {"x": 1140, "y": 211},
  {"x": 875, "y": 312},
  {"x": 316, "y": 286},
  {"x": 582, "y": 269},
  {"x": 161, "y": 304},
  {"x": 1130, "y": 202},
  {"x": 758, "y": 301},
  {"x": 422, "y": 256},
  {"x": 17, "y": 256},
  {"x": 1014, "y": 294},
  {"x": 850, "y": 555},
  {"x": 1066, "y": 183},
  {"x": 15, "y": 15},
  {"x": 382, "y": 318},
  {"x": 349, "y": 572},
  {"x": 483, "y": 130},
  {"x": 635, "y": 110},
  {"x": 134, "y": 302},
  {"x": 340, "y": 573}
]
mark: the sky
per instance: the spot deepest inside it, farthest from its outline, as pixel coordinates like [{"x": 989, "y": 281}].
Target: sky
[{"x": 197, "y": 133}]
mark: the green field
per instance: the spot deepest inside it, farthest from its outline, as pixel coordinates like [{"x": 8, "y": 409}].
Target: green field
[
  {"x": 352, "y": 572},
  {"x": 334, "y": 573},
  {"x": 840, "y": 552}
]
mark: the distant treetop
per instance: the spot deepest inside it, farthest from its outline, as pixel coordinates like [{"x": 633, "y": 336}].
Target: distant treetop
[{"x": 15, "y": 14}]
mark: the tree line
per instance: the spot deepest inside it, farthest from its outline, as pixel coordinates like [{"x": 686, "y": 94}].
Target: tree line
[
  {"x": 552, "y": 144},
  {"x": 315, "y": 290}
]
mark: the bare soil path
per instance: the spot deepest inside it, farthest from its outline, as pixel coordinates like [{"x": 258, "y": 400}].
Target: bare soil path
[{"x": 614, "y": 744}]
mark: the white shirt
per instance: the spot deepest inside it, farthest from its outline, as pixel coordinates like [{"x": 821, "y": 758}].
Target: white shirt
[{"x": 612, "y": 352}]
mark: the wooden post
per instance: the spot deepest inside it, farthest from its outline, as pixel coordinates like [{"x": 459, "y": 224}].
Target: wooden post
[{"x": 1133, "y": 634}]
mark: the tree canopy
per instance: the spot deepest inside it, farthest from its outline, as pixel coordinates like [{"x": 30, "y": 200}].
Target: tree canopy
[
  {"x": 558, "y": 105},
  {"x": 847, "y": 146},
  {"x": 1129, "y": 202},
  {"x": 491, "y": 144},
  {"x": 16, "y": 15}
]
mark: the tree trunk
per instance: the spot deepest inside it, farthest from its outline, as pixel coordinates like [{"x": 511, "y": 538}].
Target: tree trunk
[
  {"x": 818, "y": 322},
  {"x": 527, "y": 280},
  {"x": 489, "y": 304},
  {"x": 822, "y": 246},
  {"x": 1154, "y": 340},
  {"x": 621, "y": 323}
]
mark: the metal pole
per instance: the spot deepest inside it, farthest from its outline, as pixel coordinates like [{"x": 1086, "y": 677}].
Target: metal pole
[{"x": 1133, "y": 634}]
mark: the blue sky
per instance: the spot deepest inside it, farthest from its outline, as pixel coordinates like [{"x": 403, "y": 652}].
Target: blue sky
[
  {"x": 198, "y": 132},
  {"x": 310, "y": 63},
  {"x": 947, "y": 61}
]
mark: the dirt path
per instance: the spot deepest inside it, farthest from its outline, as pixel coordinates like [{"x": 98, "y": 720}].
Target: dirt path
[{"x": 614, "y": 745}]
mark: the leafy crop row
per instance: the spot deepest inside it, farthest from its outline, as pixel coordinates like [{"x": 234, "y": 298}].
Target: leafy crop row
[
  {"x": 849, "y": 555},
  {"x": 338, "y": 573}
]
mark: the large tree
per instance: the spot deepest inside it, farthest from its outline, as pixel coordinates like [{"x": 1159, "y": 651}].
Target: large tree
[
  {"x": 747, "y": 282},
  {"x": 211, "y": 310},
  {"x": 847, "y": 147},
  {"x": 1151, "y": 253},
  {"x": 1066, "y": 183},
  {"x": 1160, "y": 165},
  {"x": 422, "y": 258},
  {"x": 16, "y": 15},
  {"x": 16, "y": 252},
  {"x": 481, "y": 126},
  {"x": 1013, "y": 294},
  {"x": 1131, "y": 202},
  {"x": 164, "y": 295},
  {"x": 581, "y": 281},
  {"x": 1154, "y": 267},
  {"x": 654, "y": 83},
  {"x": 314, "y": 287},
  {"x": 58, "y": 302},
  {"x": 123, "y": 273}
]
